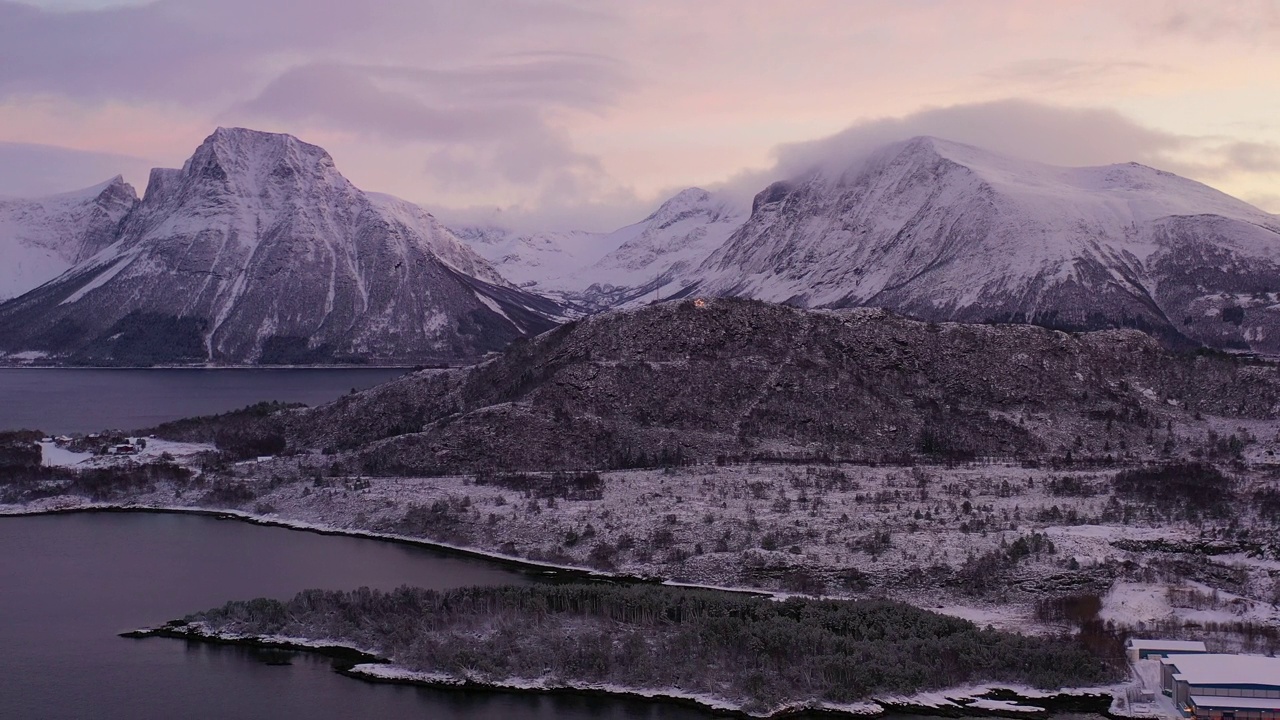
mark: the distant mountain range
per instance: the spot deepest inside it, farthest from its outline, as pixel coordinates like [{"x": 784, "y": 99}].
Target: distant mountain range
[
  {"x": 598, "y": 271},
  {"x": 949, "y": 232},
  {"x": 43, "y": 238},
  {"x": 259, "y": 251}
]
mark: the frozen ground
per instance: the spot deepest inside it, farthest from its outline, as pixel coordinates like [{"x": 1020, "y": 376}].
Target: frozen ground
[
  {"x": 990, "y": 544},
  {"x": 156, "y": 449}
]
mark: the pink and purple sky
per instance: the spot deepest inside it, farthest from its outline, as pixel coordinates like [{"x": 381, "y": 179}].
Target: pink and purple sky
[{"x": 586, "y": 113}]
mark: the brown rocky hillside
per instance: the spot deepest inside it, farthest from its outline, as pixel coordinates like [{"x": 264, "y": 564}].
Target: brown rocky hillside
[{"x": 708, "y": 380}]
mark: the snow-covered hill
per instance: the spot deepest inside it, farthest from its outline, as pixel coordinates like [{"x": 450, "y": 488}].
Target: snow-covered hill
[
  {"x": 42, "y": 238},
  {"x": 946, "y": 231},
  {"x": 259, "y": 250}
]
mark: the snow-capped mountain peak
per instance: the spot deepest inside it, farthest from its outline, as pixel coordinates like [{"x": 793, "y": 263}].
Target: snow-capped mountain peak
[
  {"x": 253, "y": 164},
  {"x": 259, "y": 250},
  {"x": 948, "y": 231},
  {"x": 683, "y": 204},
  {"x": 253, "y": 153},
  {"x": 1132, "y": 190}
]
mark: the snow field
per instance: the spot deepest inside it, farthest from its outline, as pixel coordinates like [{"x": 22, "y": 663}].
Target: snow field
[{"x": 762, "y": 527}]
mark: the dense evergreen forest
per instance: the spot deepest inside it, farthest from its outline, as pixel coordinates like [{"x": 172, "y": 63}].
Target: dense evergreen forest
[{"x": 757, "y": 652}]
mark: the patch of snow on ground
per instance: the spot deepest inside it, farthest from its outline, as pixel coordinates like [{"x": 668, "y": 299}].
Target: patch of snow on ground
[{"x": 54, "y": 456}]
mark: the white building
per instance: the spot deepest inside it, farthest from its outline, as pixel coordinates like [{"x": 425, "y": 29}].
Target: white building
[
  {"x": 1223, "y": 687},
  {"x": 1141, "y": 649}
]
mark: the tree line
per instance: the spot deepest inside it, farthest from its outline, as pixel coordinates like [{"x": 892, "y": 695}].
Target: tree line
[{"x": 755, "y": 651}]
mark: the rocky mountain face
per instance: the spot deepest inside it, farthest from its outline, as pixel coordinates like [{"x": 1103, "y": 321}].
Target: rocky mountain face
[
  {"x": 944, "y": 231},
  {"x": 259, "y": 251},
  {"x": 42, "y": 238},
  {"x": 702, "y": 380}
]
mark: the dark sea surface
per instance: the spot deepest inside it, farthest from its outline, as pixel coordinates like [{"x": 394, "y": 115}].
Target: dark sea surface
[
  {"x": 75, "y": 400},
  {"x": 70, "y": 583}
]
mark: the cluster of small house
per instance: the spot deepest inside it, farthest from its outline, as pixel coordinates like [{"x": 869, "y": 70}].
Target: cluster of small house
[
  {"x": 1211, "y": 686},
  {"x": 101, "y": 444}
]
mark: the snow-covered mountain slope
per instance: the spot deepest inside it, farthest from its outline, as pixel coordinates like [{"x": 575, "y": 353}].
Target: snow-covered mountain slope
[
  {"x": 42, "y": 238},
  {"x": 946, "y": 231},
  {"x": 648, "y": 259},
  {"x": 531, "y": 259},
  {"x": 259, "y": 250},
  {"x": 594, "y": 271}
]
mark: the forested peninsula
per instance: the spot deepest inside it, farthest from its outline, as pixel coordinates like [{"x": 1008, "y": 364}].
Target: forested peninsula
[{"x": 753, "y": 653}]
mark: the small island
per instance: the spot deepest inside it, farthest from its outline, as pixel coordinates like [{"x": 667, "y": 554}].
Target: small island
[{"x": 740, "y": 653}]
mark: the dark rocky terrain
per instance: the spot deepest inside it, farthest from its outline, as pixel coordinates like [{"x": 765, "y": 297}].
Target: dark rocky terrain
[{"x": 727, "y": 380}]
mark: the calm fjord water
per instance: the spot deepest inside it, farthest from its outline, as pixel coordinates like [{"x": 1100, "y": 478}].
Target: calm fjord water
[
  {"x": 71, "y": 400},
  {"x": 70, "y": 583}
]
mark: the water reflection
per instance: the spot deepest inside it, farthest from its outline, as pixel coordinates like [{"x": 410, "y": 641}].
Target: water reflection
[{"x": 69, "y": 583}]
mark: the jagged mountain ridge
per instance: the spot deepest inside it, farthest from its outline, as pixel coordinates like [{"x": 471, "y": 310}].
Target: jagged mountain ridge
[
  {"x": 945, "y": 231},
  {"x": 926, "y": 227},
  {"x": 698, "y": 379},
  {"x": 40, "y": 238},
  {"x": 259, "y": 250}
]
